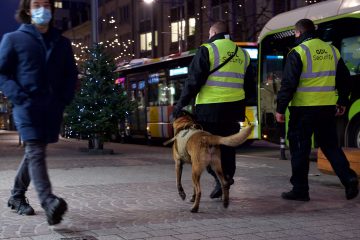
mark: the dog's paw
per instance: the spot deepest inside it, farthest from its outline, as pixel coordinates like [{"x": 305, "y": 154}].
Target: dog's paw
[
  {"x": 226, "y": 203},
  {"x": 182, "y": 195},
  {"x": 194, "y": 209}
]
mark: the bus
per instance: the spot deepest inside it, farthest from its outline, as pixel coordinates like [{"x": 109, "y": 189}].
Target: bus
[
  {"x": 338, "y": 23},
  {"x": 155, "y": 85}
]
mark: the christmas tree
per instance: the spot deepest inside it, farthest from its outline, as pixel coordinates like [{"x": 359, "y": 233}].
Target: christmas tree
[{"x": 100, "y": 104}]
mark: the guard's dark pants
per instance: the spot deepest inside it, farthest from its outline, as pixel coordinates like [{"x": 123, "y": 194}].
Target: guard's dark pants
[
  {"x": 228, "y": 161},
  {"x": 304, "y": 121},
  {"x": 33, "y": 168}
]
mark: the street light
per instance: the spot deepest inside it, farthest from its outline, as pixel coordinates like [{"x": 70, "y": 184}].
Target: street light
[{"x": 94, "y": 20}]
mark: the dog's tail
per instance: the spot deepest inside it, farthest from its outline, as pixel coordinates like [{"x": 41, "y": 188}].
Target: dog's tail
[{"x": 232, "y": 140}]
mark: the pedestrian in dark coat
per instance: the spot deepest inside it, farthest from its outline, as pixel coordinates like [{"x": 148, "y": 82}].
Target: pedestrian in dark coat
[
  {"x": 316, "y": 86},
  {"x": 38, "y": 75}
]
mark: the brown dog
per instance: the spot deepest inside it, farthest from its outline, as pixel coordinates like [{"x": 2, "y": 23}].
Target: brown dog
[{"x": 199, "y": 148}]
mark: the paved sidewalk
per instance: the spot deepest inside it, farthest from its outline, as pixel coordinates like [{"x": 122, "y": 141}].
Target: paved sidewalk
[{"x": 132, "y": 195}]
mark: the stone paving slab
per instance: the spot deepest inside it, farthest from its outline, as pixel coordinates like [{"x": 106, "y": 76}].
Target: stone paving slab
[{"x": 132, "y": 195}]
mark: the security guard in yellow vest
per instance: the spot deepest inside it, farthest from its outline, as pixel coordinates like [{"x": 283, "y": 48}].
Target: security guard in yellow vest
[
  {"x": 219, "y": 95},
  {"x": 315, "y": 86}
]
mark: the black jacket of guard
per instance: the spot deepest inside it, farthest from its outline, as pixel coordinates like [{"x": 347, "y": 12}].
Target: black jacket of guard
[
  {"x": 291, "y": 77},
  {"x": 215, "y": 112}
]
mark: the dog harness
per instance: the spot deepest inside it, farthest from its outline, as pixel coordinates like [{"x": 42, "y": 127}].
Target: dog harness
[{"x": 181, "y": 140}]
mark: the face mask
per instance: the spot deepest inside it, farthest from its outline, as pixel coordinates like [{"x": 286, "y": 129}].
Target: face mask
[{"x": 41, "y": 16}]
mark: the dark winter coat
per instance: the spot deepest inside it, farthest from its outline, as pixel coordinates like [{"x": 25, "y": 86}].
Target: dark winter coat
[
  {"x": 38, "y": 75},
  {"x": 216, "y": 112}
]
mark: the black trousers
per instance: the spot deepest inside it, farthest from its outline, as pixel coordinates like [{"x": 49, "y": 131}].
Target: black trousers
[
  {"x": 320, "y": 121},
  {"x": 228, "y": 158},
  {"x": 33, "y": 168}
]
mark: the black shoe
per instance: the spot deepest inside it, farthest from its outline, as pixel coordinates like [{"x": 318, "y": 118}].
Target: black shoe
[
  {"x": 21, "y": 205},
  {"x": 55, "y": 211},
  {"x": 217, "y": 192},
  {"x": 296, "y": 196},
  {"x": 231, "y": 181},
  {"x": 352, "y": 190}
]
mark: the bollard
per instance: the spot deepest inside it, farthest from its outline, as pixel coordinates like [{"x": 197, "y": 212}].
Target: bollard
[
  {"x": 20, "y": 141},
  {"x": 148, "y": 138},
  {"x": 282, "y": 149},
  {"x": 122, "y": 140}
]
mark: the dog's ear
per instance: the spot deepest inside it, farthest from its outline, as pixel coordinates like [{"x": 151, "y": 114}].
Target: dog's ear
[{"x": 183, "y": 122}]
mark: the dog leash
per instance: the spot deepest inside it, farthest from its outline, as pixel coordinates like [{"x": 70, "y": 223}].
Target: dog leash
[
  {"x": 248, "y": 121},
  {"x": 170, "y": 140}
]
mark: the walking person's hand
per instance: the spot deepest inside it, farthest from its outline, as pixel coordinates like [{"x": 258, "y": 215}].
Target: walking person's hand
[
  {"x": 340, "y": 110},
  {"x": 280, "y": 117}
]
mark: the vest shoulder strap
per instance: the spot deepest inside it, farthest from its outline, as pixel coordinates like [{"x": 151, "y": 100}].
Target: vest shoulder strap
[{"x": 225, "y": 62}]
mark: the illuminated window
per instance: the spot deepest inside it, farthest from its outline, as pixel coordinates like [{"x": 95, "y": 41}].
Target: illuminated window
[
  {"x": 192, "y": 24},
  {"x": 145, "y": 41},
  {"x": 176, "y": 33},
  {"x": 58, "y": 5},
  {"x": 156, "y": 38}
]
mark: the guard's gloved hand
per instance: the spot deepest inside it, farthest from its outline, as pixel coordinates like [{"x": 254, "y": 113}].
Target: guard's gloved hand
[{"x": 177, "y": 112}]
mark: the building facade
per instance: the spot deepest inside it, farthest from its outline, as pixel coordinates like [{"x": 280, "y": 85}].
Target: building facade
[
  {"x": 71, "y": 13},
  {"x": 136, "y": 29}
]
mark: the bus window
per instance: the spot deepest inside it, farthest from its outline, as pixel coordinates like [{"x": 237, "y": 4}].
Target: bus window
[
  {"x": 350, "y": 52},
  {"x": 141, "y": 95},
  {"x": 175, "y": 88},
  {"x": 137, "y": 94},
  {"x": 272, "y": 69},
  {"x": 153, "y": 94},
  {"x": 163, "y": 94},
  {"x": 274, "y": 51},
  {"x": 157, "y": 88}
]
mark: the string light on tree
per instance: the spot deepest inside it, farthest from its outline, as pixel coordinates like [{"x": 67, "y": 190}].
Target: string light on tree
[{"x": 119, "y": 48}]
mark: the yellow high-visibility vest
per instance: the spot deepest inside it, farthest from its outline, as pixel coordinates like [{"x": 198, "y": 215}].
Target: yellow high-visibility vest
[
  {"x": 227, "y": 83},
  {"x": 317, "y": 80}
]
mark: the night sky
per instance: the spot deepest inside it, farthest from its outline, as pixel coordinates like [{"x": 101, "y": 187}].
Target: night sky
[{"x": 7, "y": 13}]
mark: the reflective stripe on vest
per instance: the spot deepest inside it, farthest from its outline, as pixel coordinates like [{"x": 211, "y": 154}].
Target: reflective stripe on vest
[
  {"x": 227, "y": 83},
  {"x": 317, "y": 80}
]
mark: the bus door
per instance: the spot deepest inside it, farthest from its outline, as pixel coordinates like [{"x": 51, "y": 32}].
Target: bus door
[
  {"x": 159, "y": 108},
  {"x": 273, "y": 49},
  {"x": 136, "y": 90},
  {"x": 251, "y": 110}
]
